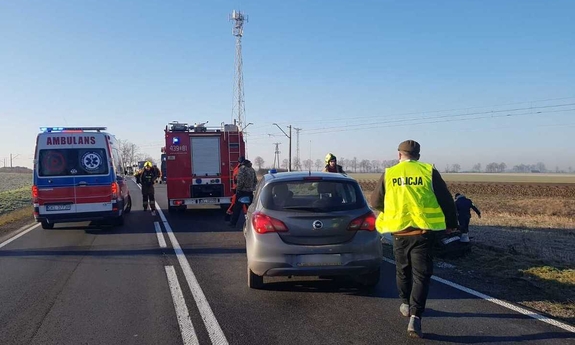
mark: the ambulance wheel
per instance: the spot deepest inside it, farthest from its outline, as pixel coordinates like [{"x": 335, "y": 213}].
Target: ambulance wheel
[
  {"x": 128, "y": 207},
  {"x": 46, "y": 225},
  {"x": 119, "y": 221}
]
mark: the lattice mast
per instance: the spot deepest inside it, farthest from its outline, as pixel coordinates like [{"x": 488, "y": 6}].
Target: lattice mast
[{"x": 238, "y": 106}]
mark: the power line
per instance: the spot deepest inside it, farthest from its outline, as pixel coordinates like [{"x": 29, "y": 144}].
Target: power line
[
  {"x": 447, "y": 118},
  {"x": 436, "y": 111}
]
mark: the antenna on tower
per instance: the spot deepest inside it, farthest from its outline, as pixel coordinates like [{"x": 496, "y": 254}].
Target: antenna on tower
[
  {"x": 238, "y": 105},
  {"x": 277, "y": 156},
  {"x": 298, "y": 159}
]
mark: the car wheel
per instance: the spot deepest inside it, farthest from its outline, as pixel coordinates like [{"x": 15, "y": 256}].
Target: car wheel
[
  {"x": 128, "y": 207},
  {"x": 46, "y": 225},
  {"x": 255, "y": 281},
  {"x": 370, "y": 279}
]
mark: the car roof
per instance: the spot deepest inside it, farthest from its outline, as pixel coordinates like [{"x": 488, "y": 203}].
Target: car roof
[{"x": 298, "y": 175}]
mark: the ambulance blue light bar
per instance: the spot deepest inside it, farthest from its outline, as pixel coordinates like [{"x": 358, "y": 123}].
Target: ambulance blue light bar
[{"x": 71, "y": 129}]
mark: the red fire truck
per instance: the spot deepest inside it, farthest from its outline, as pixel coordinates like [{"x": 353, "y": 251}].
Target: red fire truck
[{"x": 199, "y": 164}]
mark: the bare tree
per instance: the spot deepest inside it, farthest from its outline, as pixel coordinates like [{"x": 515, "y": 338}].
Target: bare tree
[
  {"x": 447, "y": 168},
  {"x": 502, "y": 167},
  {"x": 455, "y": 168},
  {"x": 128, "y": 152},
  {"x": 354, "y": 164},
  {"x": 259, "y": 162},
  {"x": 376, "y": 165},
  {"x": 285, "y": 163},
  {"x": 307, "y": 164},
  {"x": 476, "y": 167},
  {"x": 296, "y": 163},
  {"x": 318, "y": 164}
]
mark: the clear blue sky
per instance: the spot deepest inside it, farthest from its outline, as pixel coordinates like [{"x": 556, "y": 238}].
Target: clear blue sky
[{"x": 357, "y": 77}]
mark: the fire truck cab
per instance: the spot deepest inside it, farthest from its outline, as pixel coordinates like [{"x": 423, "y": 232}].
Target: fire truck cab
[{"x": 199, "y": 163}]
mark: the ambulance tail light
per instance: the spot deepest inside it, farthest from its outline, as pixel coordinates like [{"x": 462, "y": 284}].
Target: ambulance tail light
[
  {"x": 114, "y": 189},
  {"x": 34, "y": 194}
]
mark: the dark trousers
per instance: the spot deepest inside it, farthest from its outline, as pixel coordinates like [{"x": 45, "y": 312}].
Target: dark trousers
[
  {"x": 238, "y": 206},
  {"x": 464, "y": 224},
  {"x": 413, "y": 269},
  {"x": 148, "y": 194}
]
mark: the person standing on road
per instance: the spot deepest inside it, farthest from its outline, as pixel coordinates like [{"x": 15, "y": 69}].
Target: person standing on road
[
  {"x": 415, "y": 205},
  {"x": 247, "y": 181},
  {"x": 147, "y": 178},
  {"x": 331, "y": 164},
  {"x": 464, "y": 206},
  {"x": 233, "y": 200}
]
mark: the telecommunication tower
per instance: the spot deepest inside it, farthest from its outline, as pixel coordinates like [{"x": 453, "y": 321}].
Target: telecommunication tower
[
  {"x": 238, "y": 105},
  {"x": 298, "y": 158}
]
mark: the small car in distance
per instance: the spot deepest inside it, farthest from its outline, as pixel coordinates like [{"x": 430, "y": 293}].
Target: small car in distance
[{"x": 311, "y": 224}]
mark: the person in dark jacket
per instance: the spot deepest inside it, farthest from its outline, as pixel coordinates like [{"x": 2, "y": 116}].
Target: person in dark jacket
[
  {"x": 147, "y": 178},
  {"x": 331, "y": 164},
  {"x": 245, "y": 187},
  {"x": 464, "y": 206}
]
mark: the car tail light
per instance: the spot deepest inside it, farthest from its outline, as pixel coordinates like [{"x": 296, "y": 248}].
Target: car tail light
[
  {"x": 114, "y": 189},
  {"x": 312, "y": 178},
  {"x": 365, "y": 222},
  {"x": 263, "y": 224},
  {"x": 35, "y": 193}
]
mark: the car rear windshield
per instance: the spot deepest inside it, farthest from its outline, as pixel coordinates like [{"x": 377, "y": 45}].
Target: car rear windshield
[
  {"x": 314, "y": 196},
  {"x": 72, "y": 162}
]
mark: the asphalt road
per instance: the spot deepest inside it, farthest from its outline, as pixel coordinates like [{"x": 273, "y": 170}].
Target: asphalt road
[{"x": 82, "y": 283}]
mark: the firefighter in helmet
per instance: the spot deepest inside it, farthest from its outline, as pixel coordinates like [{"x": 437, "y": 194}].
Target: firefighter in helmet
[
  {"x": 331, "y": 164},
  {"x": 147, "y": 179}
]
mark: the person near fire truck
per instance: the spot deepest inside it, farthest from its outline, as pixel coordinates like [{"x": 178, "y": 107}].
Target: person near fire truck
[
  {"x": 246, "y": 184},
  {"x": 230, "y": 210},
  {"x": 331, "y": 164},
  {"x": 147, "y": 179}
]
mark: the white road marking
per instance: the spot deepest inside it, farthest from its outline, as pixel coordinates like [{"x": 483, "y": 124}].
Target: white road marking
[
  {"x": 32, "y": 227},
  {"x": 160, "y": 235},
  {"x": 500, "y": 302},
  {"x": 186, "y": 328},
  {"x": 213, "y": 327}
]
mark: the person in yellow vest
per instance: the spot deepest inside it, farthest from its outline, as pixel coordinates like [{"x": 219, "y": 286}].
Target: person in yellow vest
[{"x": 415, "y": 206}]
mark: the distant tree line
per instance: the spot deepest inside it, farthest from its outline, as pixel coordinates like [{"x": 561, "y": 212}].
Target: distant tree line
[{"x": 355, "y": 165}]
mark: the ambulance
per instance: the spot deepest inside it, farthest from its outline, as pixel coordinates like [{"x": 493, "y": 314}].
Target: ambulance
[{"x": 79, "y": 176}]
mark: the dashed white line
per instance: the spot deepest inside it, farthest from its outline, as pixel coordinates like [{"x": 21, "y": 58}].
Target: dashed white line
[
  {"x": 19, "y": 235},
  {"x": 160, "y": 235},
  {"x": 213, "y": 327},
  {"x": 186, "y": 328},
  {"x": 504, "y": 304}
]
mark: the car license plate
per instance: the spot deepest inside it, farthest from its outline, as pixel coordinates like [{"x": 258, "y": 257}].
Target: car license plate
[
  {"x": 319, "y": 260},
  {"x": 58, "y": 207},
  {"x": 206, "y": 201}
]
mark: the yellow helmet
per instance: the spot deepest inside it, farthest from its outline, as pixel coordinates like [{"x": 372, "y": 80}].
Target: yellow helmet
[
  {"x": 329, "y": 157},
  {"x": 148, "y": 164}
]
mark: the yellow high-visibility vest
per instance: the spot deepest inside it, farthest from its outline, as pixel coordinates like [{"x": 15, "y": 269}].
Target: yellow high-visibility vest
[{"x": 409, "y": 199}]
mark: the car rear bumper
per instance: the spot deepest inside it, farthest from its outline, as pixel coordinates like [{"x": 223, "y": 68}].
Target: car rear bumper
[
  {"x": 288, "y": 269},
  {"x": 270, "y": 256}
]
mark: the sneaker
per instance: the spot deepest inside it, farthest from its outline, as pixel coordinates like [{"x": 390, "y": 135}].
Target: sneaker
[
  {"x": 414, "y": 327},
  {"x": 404, "y": 309},
  {"x": 464, "y": 238},
  {"x": 153, "y": 212}
]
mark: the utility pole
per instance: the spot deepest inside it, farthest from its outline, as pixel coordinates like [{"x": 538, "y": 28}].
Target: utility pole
[
  {"x": 298, "y": 158},
  {"x": 289, "y": 137},
  {"x": 12, "y": 157},
  {"x": 277, "y": 155}
]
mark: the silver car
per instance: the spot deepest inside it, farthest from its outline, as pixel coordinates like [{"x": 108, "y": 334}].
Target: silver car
[{"x": 311, "y": 224}]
